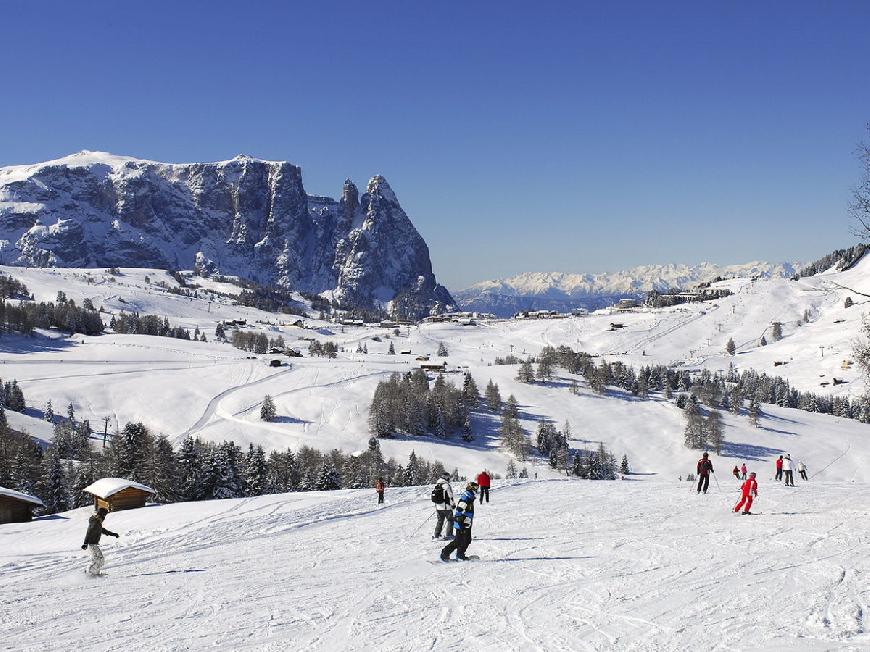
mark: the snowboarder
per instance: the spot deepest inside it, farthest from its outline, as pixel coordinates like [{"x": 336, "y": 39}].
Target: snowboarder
[
  {"x": 788, "y": 470},
  {"x": 705, "y": 468},
  {"x": 749, "y": 491},
  {"x": 442, "y": 496},
  {"x": 802, "y": 470},
  {"x": 736, "y": 472},
  {"x": 379, "y": 487},
  {"x": 462, "y": 521},
  {"x": 483, "y": 481},
  {"x": 743, "y": 471},
  {"x": 92, "y": 541},
  {"x": 778, "y": 475}
]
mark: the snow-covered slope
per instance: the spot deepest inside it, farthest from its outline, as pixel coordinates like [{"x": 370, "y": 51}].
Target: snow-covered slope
[
  {"x": 212, "y": 390},
  {"x": 244, "y": 216},
  {"x": 564, "y": 565},
  {"x": 563, "y": 291}
]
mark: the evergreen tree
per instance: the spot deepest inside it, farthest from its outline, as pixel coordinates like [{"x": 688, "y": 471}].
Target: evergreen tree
[
  {"x": 129, "y": 452},
  {"x": 442, "y": 350},
  {"x": 776, "y": 331},
  {"x": 161, "y": 471},
  {"x": 754, "y": 411},
  {"x": 53, "y": 490},
  {"x": 189, "y": 465},
  {"x": 624, "y": 467},
  {"x": 49, "y": 411},
  {"x": 392, "y": 349},
  {"x": 256, "y": 471},
  {"x": 730, "y": 347},
  {"x": 226, "y": 481},
  {"x": 848, "y": 303},
  {"x": 493, "y": 397},
  {"x": 328, "y": 479},
  {"x": 511, "y": 471},
  {"x": 267, "y": 409},
  {"x": 526, "y": 374},
  {"x": 715, "y": 430},
  {"x": 694, "y": 433}
]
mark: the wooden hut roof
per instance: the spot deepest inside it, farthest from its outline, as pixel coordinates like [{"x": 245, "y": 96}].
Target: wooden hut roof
[
  {"x": 109, "y": 486},
  {"x": 17, "y": 495}
]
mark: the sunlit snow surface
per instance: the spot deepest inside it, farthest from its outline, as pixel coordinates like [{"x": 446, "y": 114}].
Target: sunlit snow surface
[{"x": 564, "y": 565}]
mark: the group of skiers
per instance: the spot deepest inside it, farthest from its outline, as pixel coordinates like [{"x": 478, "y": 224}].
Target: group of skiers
[{"x": 749, "y": 488}]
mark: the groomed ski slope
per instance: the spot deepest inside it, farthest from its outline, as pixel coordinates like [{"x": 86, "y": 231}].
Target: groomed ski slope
[{"x": 642, "y": 564}]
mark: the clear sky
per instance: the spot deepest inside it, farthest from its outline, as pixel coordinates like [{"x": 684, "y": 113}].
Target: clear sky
[{"x": 519, "y": 136}]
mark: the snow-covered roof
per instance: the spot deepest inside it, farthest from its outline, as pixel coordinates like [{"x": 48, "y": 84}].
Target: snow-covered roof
[
  {"x": 27, "y": 498},
  {"x": 109, "y": 486}
]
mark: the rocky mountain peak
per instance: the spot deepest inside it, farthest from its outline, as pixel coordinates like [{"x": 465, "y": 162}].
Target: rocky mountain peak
[{"x": 245, "y": 216}]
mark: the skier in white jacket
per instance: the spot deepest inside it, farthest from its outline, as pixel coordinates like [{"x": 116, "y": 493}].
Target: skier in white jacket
[
  {"x": 788, "y": 470},
  {"x": 444, "y": 507}
]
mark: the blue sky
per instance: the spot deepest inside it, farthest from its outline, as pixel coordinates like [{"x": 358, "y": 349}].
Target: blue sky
[{"x": 518, "y": 136}]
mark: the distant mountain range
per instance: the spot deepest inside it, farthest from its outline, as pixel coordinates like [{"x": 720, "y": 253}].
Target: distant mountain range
[
  {"x": 245, "y": 217},
  {"x": 563, "y": 291}
]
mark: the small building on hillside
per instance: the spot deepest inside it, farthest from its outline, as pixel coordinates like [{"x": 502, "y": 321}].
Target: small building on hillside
[
  {"x": 16, "y": 507},
  {"x": 116, "y": 494},
  {"x": 433, "y": 366}
]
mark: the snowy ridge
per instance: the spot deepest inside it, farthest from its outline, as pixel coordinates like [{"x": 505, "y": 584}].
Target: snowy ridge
[{"x": 563, "y": 291}]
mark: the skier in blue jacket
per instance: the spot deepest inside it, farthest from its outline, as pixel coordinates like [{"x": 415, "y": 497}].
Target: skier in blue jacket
[{"x": 462, "y": 521}]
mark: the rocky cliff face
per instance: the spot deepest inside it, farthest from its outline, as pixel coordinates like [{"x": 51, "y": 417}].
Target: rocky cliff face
[{"x": 244, "y": 217}]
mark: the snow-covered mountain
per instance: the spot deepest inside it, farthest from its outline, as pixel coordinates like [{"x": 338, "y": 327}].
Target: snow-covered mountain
[
  {"x": 563, "y": 291},
  {"x": 245, "y": 217}
]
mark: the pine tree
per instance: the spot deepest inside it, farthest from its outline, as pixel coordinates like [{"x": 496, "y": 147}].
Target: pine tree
[
  {"x": 715, "y": 430},
  {"x": 442, "y": 350},
  {"x": 161, "y": 470},
  {"x": 753, "y": 412},
  {"x": 730, "y": 347},
  {"x": 267, "y": 409},
  {"x": 624, "y": 467},
  {"x": 776, "y": 331},
  {"x": 493, "y": 397},
  {"x": 189, "y": 465},
  {"x": 466, "y": 430},
  {"x": 526, "y": 374},
  {"x": 129, "y": 451},
  {"x": 225, "y": 474},
  {"x": 511, "y": 471},
  {"x": 255, "y": 471},
  {"x": 328, "y": 479},
  {"x": 392, "y": 349},
  {"x": 53, "y": 491},
  {"x": 49, "y": 411},
  {"x": 848, "y": 303}
]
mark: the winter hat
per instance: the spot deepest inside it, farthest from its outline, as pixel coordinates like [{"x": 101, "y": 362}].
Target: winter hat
[
  {"x": 752, "y": 475},
  {"x": 445, "y": 475},
  {"x": 706, "y": 455},
  {"x": 472, "y": 486}
]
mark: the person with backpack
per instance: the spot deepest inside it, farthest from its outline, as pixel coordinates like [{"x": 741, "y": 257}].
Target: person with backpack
[
  {"x": 736, "y": 472},
  {"x": 749, "y": 491},
  {"x": 705, "y": 468},
  {"x": 462, "y": 521},
  {"x": 379, "y": 487},
  {"x": 788, "y": 469},
  {"x": 92, "y": 541},
  {"x": 743, "y": 471},
  {"x": 483, "y": 481},
  {"x": 442, "y": 496},
  {"x": 802, "y": 470},
  {"x": 778, "y": 475}
]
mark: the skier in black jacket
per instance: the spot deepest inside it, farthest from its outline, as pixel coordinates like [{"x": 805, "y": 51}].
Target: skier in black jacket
[
  {"x": 92, "y": 540},
  {"x": 705, "y": 468}
]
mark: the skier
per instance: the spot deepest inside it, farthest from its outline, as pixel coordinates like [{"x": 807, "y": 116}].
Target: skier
[
  {"x": 743, "y": 471},
  {"x": 483, "y": 481},
  {"x": 462, "y": 521},
  {"x": 789, "y": 471},
  {"x": 92, "y": 541},
  {"x": 750, "y": 490},
  {"x": 705, "y": 468},
  {"x": 802, "y": 469},
  {"x": 442, "y": 496},
  {"x": 736, "y": 472},
  {"x": 778, "y": 475},
  {"x": 379, "y": 487}
]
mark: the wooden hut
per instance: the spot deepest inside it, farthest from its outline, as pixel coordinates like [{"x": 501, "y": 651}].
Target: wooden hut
[
  {"x": 116, "y": 494},
  {"x": 16, "y": 507}
]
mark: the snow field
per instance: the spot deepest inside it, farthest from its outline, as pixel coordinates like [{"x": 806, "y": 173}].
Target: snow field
[{"x": 565, "y": 565}]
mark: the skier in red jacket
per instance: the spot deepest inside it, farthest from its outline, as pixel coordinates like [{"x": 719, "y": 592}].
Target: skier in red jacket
[
  {"x": 750, "y": 491},
  {"x": 778, "y": 475},
  {"x": 705, "y": 468},
  {"x": 483, "y": 480}
]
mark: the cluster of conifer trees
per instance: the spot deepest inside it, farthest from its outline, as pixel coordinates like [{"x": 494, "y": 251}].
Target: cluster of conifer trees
[{"x": 138, "y": 324}]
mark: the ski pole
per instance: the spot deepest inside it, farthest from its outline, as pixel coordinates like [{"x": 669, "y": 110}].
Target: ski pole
[
  {"x": 718, "y": 488},
  {"x": 422, "y": 524}
]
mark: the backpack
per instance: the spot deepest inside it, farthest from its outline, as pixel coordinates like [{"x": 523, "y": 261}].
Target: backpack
[{"x": 438, "y": 493}]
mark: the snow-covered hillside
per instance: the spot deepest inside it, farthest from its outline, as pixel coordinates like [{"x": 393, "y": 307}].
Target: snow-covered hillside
[
  {"x": 563, "y": 291},
  {"x": 213, "y": 391},
  {"x": 564, "y": 565}
]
